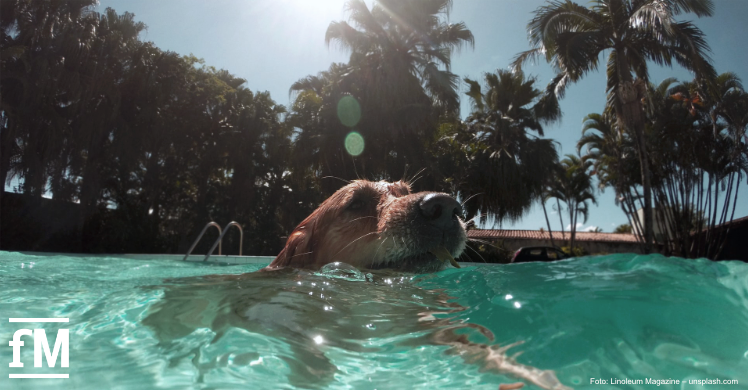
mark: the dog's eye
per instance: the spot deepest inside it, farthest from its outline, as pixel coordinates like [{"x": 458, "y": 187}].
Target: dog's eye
[{"x": 356, "y": 204}]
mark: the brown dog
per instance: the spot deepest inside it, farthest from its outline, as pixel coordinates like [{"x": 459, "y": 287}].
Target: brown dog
[
  {"x": 378, "y": 225},
  {"x": 368, "y": 225}
]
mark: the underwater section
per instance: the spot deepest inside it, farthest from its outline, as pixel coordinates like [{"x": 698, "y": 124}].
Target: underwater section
[{"x": 159, "y": 324}]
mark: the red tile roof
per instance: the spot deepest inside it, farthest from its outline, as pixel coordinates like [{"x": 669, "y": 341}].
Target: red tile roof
[
  {"x": 538, "y": 235},
  {"x": 736, "y": 221},
  {"x": 734, "y": 224}
]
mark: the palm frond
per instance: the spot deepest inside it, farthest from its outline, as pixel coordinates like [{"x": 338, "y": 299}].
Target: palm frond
[
  {"x": 454, "y": 36},
  {"x": 347, "y": 37},
  {"x": 474, "y": 92}
]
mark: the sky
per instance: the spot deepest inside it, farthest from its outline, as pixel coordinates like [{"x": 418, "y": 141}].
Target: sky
[{"x": 273, "y": 43}]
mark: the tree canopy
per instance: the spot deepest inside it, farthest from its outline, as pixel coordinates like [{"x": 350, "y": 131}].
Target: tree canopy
[{"x": 146, "y": 146}]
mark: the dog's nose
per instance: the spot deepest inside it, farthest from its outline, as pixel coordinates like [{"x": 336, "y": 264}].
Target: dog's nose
[{"x": 439, "y": 209}]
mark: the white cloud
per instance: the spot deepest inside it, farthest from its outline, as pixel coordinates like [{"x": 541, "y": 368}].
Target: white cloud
[{"x": 579, "y": 226}]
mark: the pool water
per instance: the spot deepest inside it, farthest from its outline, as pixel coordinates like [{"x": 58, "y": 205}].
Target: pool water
[{"x": 163, "y": 324}]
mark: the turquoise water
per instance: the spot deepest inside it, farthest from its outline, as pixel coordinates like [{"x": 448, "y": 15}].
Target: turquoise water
[{"x": 142, "y": 324}]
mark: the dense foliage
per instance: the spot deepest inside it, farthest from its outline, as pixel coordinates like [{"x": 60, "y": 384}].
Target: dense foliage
[
  {"x": 696, "y": 134},
  {"x": 150, "y": 143},
  {"x": 143, "y": 147},
  {"x": 631, "y": 33}
]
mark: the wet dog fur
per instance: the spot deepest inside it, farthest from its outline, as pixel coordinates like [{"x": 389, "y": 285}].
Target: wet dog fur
[
  {"x": 373, "y": 225},
  {"x": 366, "y": 225}
]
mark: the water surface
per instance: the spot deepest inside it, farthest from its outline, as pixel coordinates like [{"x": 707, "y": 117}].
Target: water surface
[{"x": 153, "y": 324}]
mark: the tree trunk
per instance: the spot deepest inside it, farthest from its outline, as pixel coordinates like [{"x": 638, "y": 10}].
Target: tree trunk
[
  {"x": 152, "y": 185},
  {"x": 647, "y": 189},
  {"x": 34, "y": 162},
  {"x": 7, "y": 139},
  {"x": 573, "y": 228},
  {"x": 561, "y": 218},
  {"x": 630, "y": 116},
  {"x": 548, "y": 222},
  {"x": 90, "y": 186}
]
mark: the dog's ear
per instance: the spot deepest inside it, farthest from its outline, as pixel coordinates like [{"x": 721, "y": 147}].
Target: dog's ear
[
  {"x": 303, "y": 245},
  {"x": 298, "y": 252}
]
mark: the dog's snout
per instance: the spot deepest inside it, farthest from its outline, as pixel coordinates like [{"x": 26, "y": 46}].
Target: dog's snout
[{"x": 439, "y": 209}]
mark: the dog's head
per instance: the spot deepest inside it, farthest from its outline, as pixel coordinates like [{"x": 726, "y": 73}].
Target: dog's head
[{"x": 377, "y": 225}]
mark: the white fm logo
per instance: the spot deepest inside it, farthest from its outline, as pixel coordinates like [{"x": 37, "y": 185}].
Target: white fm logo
[{"x": 41, "y": 347}]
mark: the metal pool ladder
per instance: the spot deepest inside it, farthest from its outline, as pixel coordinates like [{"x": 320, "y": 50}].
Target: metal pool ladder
[{"x": 221, "y": 233}]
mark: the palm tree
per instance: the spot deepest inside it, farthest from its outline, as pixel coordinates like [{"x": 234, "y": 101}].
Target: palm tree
[
  {"x": 573, "y": 38},
  {"x": 405, "y": 47},
  {"x": 509, "y": 167},
  {"x": 559, "y": 210},
  {"x": 399, "y": 71},
  {"x": 573, "y": 186},
  {"x": 544, "y": 198},
  {"x": 319, "y": 143},
  {"x": 623, "y": 229},
  {"x": 696, "y": 157},
  {"x": 611, "y": 152},
  {"x": 727, "y": 103},
  {"x": 700, "y": 139}
]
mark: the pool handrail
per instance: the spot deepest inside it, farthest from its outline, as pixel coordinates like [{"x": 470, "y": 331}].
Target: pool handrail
[
  {"x": 194, "y": 244},
  {"x": 218, "y": 241}
]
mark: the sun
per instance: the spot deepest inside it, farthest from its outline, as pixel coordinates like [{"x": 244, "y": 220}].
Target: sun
[{"x": 326, "y": 10}]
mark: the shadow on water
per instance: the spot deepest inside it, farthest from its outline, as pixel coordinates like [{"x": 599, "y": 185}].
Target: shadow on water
[{"x": 338, "y": 307}]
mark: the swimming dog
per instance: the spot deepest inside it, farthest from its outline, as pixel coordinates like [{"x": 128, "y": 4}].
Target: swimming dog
[{"x": 372, "y": 226}]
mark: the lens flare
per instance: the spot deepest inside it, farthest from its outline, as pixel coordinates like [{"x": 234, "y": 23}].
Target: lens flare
[
  {"x": 349, "y": 111},
  {"x": 354, "y": 143}
]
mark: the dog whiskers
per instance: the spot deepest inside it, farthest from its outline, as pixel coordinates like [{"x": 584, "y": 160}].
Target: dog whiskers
[
  {"x": 409, "y": 181},
  {"x": 478, "y": 240},
  {"x": 416, "y": 177},
  {"x": 380, "y": 247},
  {"x": 470, "y": 197},
  {"x": 350, "y": 243},
  {"x": 476, "y": 252},
  {"x": 368, "y": 216},
  {"x": 335, "y": 177},
  {"x": 302, "y": 254}
]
